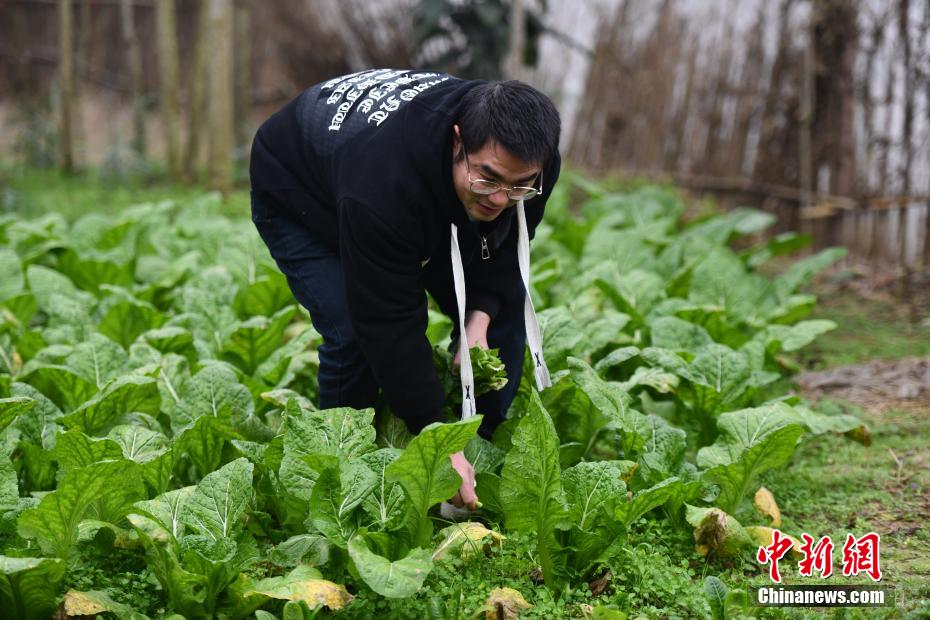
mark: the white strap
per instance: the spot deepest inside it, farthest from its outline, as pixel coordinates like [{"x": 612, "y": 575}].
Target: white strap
[
  {"x": 465, "y": 372},
  {"x": 533, "y": 335}
]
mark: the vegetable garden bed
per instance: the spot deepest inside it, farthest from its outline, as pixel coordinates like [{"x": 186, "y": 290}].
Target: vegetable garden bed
[{"x": 161, "y": 453}]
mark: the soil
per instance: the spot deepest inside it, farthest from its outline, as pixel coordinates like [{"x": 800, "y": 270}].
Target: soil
[{"x": 876, "y": 386}]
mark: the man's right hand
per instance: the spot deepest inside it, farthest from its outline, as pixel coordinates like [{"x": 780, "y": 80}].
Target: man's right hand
[{"x": 466, "y": 495}]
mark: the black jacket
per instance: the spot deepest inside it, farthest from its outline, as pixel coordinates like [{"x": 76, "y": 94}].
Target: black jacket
[{"x": 365, "y": 161}]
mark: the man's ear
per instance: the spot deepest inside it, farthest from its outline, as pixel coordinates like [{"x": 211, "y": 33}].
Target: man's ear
[{"x": 456, "y": 140}]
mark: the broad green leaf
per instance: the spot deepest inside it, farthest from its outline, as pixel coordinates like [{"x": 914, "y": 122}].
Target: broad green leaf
[
  {"x": 127, "y": 319},
  {"x": 674, "y": 334},
  {"x": 75, "y": 449},
  {"x": 604, "y": 331},
  {"x": 588, "y": 406},
  {"x": 754, "y": 441},
  {"x": 342, "y": 431},
  {"x": 385, "y": 505},
  {"x": 663, "y": 450},
  {"x": 747, "y": 221},
  {"x": 29, "y": 586},
  {"x": 220, "y": 561},
  {"x": 531, "y": 489},
  {"x": 139, "y": 444},
  {"x": 312, "y": 549},
  {"x": 45, "y": 282},
  {"x": 186, "y": 590},
  {"x": 128, "y": 394},
  {"x": 9, "y": 485},
  {"x": 202, "y": 443},
  {"x": 341, "y": 487},
  {"x": 54, "y": 522},
  {"x": 716, "y": 594},
  {"x": 483, "y": 455},
  {"x": 98, "y": 360},
  {"x": 255, "y": 339},
  {"x": 263, "y": 297},
  {"x": 655, "y": 378},
  {"x": 90, "y": 273},
  {"x": 20, "y": 309},
  {"x": 633, "y": 293},
  {"x": 800, "y": 273},
  {"x": 615, "y": 358},
  {"x": 150, "y": 450},
  {"x": 282, "y": 366},
  {"x": 165, "y": 511},
  {"x": 171, "y": 340},
  {"x": 10, "y": 408},
  {"x": 214, "y": 392},
  {"x": 67, "y": 389},
  {"x": 280, "y": 397},
  {"x": 592, "y": 490},
  {"x": 793, "y": 337},
  {"x": 629, "y": 511},
  {"x": 398, "y": 579},
  {"x": 11, "y": 276},
  {"x": 819, "y": 423},
  {"x": 217, "y": 505},
  {"x": 720, "y": 377},
  {"x": 426, "y": 474}
]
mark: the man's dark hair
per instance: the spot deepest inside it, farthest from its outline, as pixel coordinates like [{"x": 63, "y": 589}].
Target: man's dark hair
[{"x": 515, "y": 115}]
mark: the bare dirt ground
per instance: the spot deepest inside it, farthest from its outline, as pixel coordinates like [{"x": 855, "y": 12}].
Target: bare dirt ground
[{"x": 876, "y": 386}]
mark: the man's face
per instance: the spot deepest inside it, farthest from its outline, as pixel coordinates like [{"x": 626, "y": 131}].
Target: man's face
[{"x": 491, "y": 163}]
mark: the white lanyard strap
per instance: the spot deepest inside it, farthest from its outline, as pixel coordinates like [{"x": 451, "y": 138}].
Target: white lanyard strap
[
  {"x": 533, "y": 335},
  {"x": 465, "y": 372}
]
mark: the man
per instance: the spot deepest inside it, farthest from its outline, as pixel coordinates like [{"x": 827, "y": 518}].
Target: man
[{"x": 372, "y": 189}]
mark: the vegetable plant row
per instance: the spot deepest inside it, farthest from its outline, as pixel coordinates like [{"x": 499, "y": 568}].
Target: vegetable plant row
[{"x": 157, "y": 390}]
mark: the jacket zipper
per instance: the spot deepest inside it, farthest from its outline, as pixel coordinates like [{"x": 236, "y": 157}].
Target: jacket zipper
[{"x": 485, "y": 251}]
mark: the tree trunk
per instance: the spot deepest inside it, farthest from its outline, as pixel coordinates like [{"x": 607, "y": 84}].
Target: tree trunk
[
  {"x": 883, "y": 160},
  {"x": 910, "y": 79},
  {"x": 198, "y": 86},
  {"x": 836, "y": 37},
  {"x": 134, "y": 57},
  {"x": 66, "y": 68},
  {"x": 168, "y": 65},
  {"x": 221, "y": 95},
  {"x": 514, "y": 69},
  {"x": 868, "y": 106},
  {"x": 805, "y": 161},
  {"x": 907, "y": 130},
  {"x": 243, "y": 74}
]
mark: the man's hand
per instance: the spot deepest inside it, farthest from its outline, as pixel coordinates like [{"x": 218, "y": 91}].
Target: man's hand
[
  {"x": 466, "y": 496},
  {"x": 476, "y": 332}
]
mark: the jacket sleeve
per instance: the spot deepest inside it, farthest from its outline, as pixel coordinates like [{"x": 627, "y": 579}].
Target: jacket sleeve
[
  {"x": 491, "y": 283},
  {"x": 388, "y": 311}
]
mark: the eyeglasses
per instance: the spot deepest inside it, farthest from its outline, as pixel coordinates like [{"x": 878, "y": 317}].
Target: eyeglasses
[{"x": 484, "y": 187}]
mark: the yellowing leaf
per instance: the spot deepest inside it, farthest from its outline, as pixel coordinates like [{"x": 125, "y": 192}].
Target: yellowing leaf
[
  {"x": 304, "y": 584},
  {"x": 765, "y": 502},
  {"x": 715, "y": 530},
  {"x": 763, "y": 536},
  {"x": 91, "y": 603},
  {"x": 505, "y": 604},
  {"x": 463, "y": 539},
  {"x": 80, "y": 604}
]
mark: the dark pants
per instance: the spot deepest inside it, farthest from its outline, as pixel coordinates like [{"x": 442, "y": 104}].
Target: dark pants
[{"x": 315, "y": 276}]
